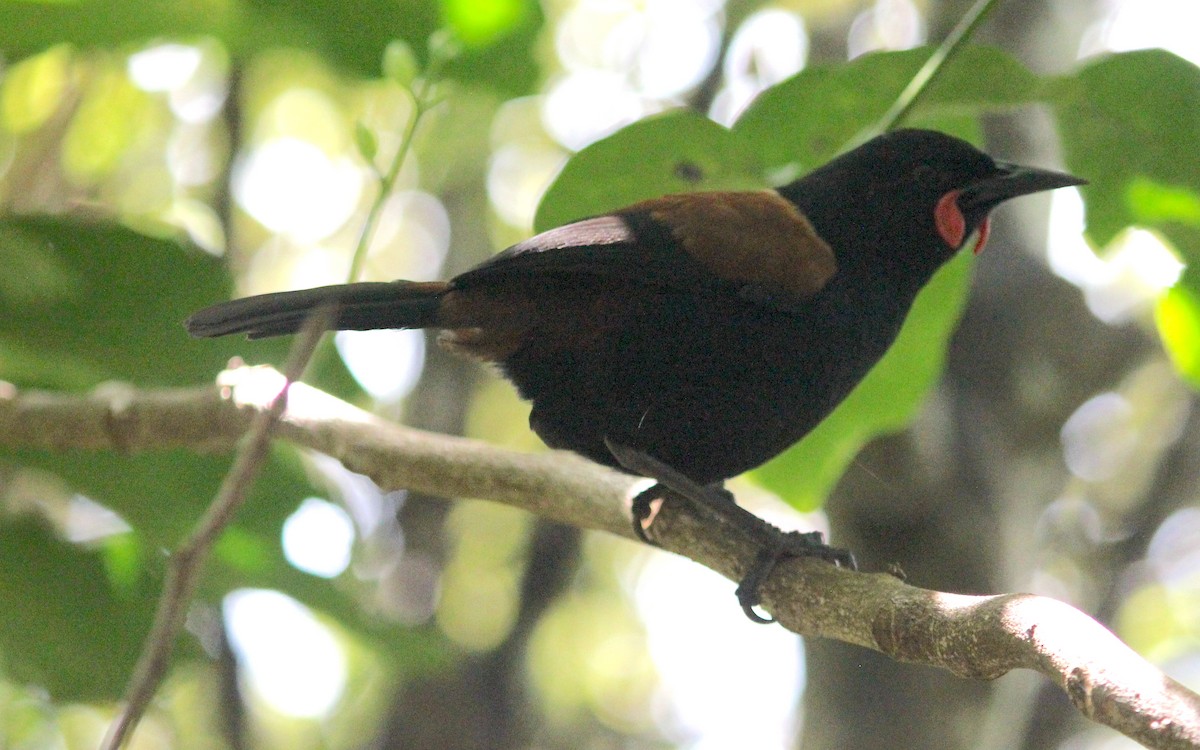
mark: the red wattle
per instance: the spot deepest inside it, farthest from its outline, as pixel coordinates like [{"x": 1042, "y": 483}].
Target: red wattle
[
  {"x": 951, "y": 224},
  {"x": 982, "y": 236}
]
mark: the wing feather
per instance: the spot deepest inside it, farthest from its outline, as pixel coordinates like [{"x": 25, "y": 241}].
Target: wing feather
[{"x": 758, "y": 241}]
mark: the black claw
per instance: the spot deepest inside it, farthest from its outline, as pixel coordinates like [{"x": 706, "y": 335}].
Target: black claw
[
  {"x": 747, "y": 591},
  {"x": 756, "y": 618},
  {"x": 781, "y": 545}
]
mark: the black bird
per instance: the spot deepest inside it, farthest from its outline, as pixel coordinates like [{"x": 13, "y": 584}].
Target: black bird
[{"x": 692, "y": 337}]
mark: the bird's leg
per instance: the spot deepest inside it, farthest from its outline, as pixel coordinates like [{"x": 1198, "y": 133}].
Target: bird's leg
[{"x": 774, "y": 543}]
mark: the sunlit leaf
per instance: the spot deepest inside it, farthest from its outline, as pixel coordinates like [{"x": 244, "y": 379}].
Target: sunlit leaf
[
  {"x": 1129, "y": 120},
  {"x": 673, "y": 153},
  {"x": 33, "y": 89},
  {"x": 109, "y": 119},
  {"x": 1178, "y": 318},
  {"x": 1155, "y": 204},
  {"x": 478, "y": 22}
]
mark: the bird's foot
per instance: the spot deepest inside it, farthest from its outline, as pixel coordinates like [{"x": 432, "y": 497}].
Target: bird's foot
[
  {"x": 776, "y": 545},
  {"x": 773, "y": 543}
]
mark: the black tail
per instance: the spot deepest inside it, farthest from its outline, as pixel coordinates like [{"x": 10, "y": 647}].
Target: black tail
[{"x": 357, "y": 307}]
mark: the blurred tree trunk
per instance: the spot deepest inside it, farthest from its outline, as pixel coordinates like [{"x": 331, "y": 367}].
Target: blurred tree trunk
[{"x": 482, "y": 700}]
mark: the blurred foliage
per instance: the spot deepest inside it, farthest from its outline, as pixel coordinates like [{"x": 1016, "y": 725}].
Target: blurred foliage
[
  {"x": 1131, "y": 124},
  {"x": 65, "y": 272},
  {"x": 45, "y": 640},
  {"x": 351, "y": 36},
  {"x": 84, "y": 301}
]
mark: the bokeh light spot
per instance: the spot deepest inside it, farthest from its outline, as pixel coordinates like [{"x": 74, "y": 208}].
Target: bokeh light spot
[
  {"x": 290, "y": 659},
  {"x": 164, "y": 66},
  {"x": 33, "y": 89},
  {"x": 292, "y": 187},
  {"x": 385, "y": 363},
  {"x": 318, "y": 537}
]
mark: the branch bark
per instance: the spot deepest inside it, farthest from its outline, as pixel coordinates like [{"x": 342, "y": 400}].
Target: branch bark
[{"x": 971, "y": 636}]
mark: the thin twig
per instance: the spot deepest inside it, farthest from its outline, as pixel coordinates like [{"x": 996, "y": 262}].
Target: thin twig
[
  {"x": 422, "y": 102},
  {"x": 187, "y": 562},
  {"x": 933, "y": 67}
]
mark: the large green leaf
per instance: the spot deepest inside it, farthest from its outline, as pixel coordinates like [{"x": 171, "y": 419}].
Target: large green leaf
[
  {"x": 90, "y": 301},
  {"x": 813, "y": 115},
  {"x": 100, "y": 301},
  {"x": 1130, "y": 124},
  {"x": 886, "y": 401},
  {"x": 676, "y": 152}
]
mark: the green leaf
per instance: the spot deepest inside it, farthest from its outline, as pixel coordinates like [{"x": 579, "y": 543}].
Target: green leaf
[
  {"x": 1131, "y": 121},
  {"x": 366, "y": 142},
  {"x": 1177, "y": 316},
  {"x": 1130, "y": 124},
  {"x": 67, "y": 626},
  {"x": 813, "y": 115},
  {"x": 886, "y": 401},
  {"x": 104, "y": 302},
  {"x": 676, "y": 152},
  {"x": 33, "y": 89},
  {"x": 1160, "y": 205},
  {"x": 479, "y": 22},
  {"x": 97, "y": 301}
]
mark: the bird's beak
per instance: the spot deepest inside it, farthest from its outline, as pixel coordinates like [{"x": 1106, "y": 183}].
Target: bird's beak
[{"x": 1010, "y": 181}]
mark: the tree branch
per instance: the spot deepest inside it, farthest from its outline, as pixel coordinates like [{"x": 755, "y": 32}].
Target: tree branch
[{"x": 971, "y": 636}]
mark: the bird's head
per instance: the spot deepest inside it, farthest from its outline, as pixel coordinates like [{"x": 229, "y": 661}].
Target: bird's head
[{"x": 912, "y": 197}]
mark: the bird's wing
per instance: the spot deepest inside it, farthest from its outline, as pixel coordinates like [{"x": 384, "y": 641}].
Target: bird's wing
[
  {"x": 594, "y": 245},
  {"x": 755, "y": 241}
]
